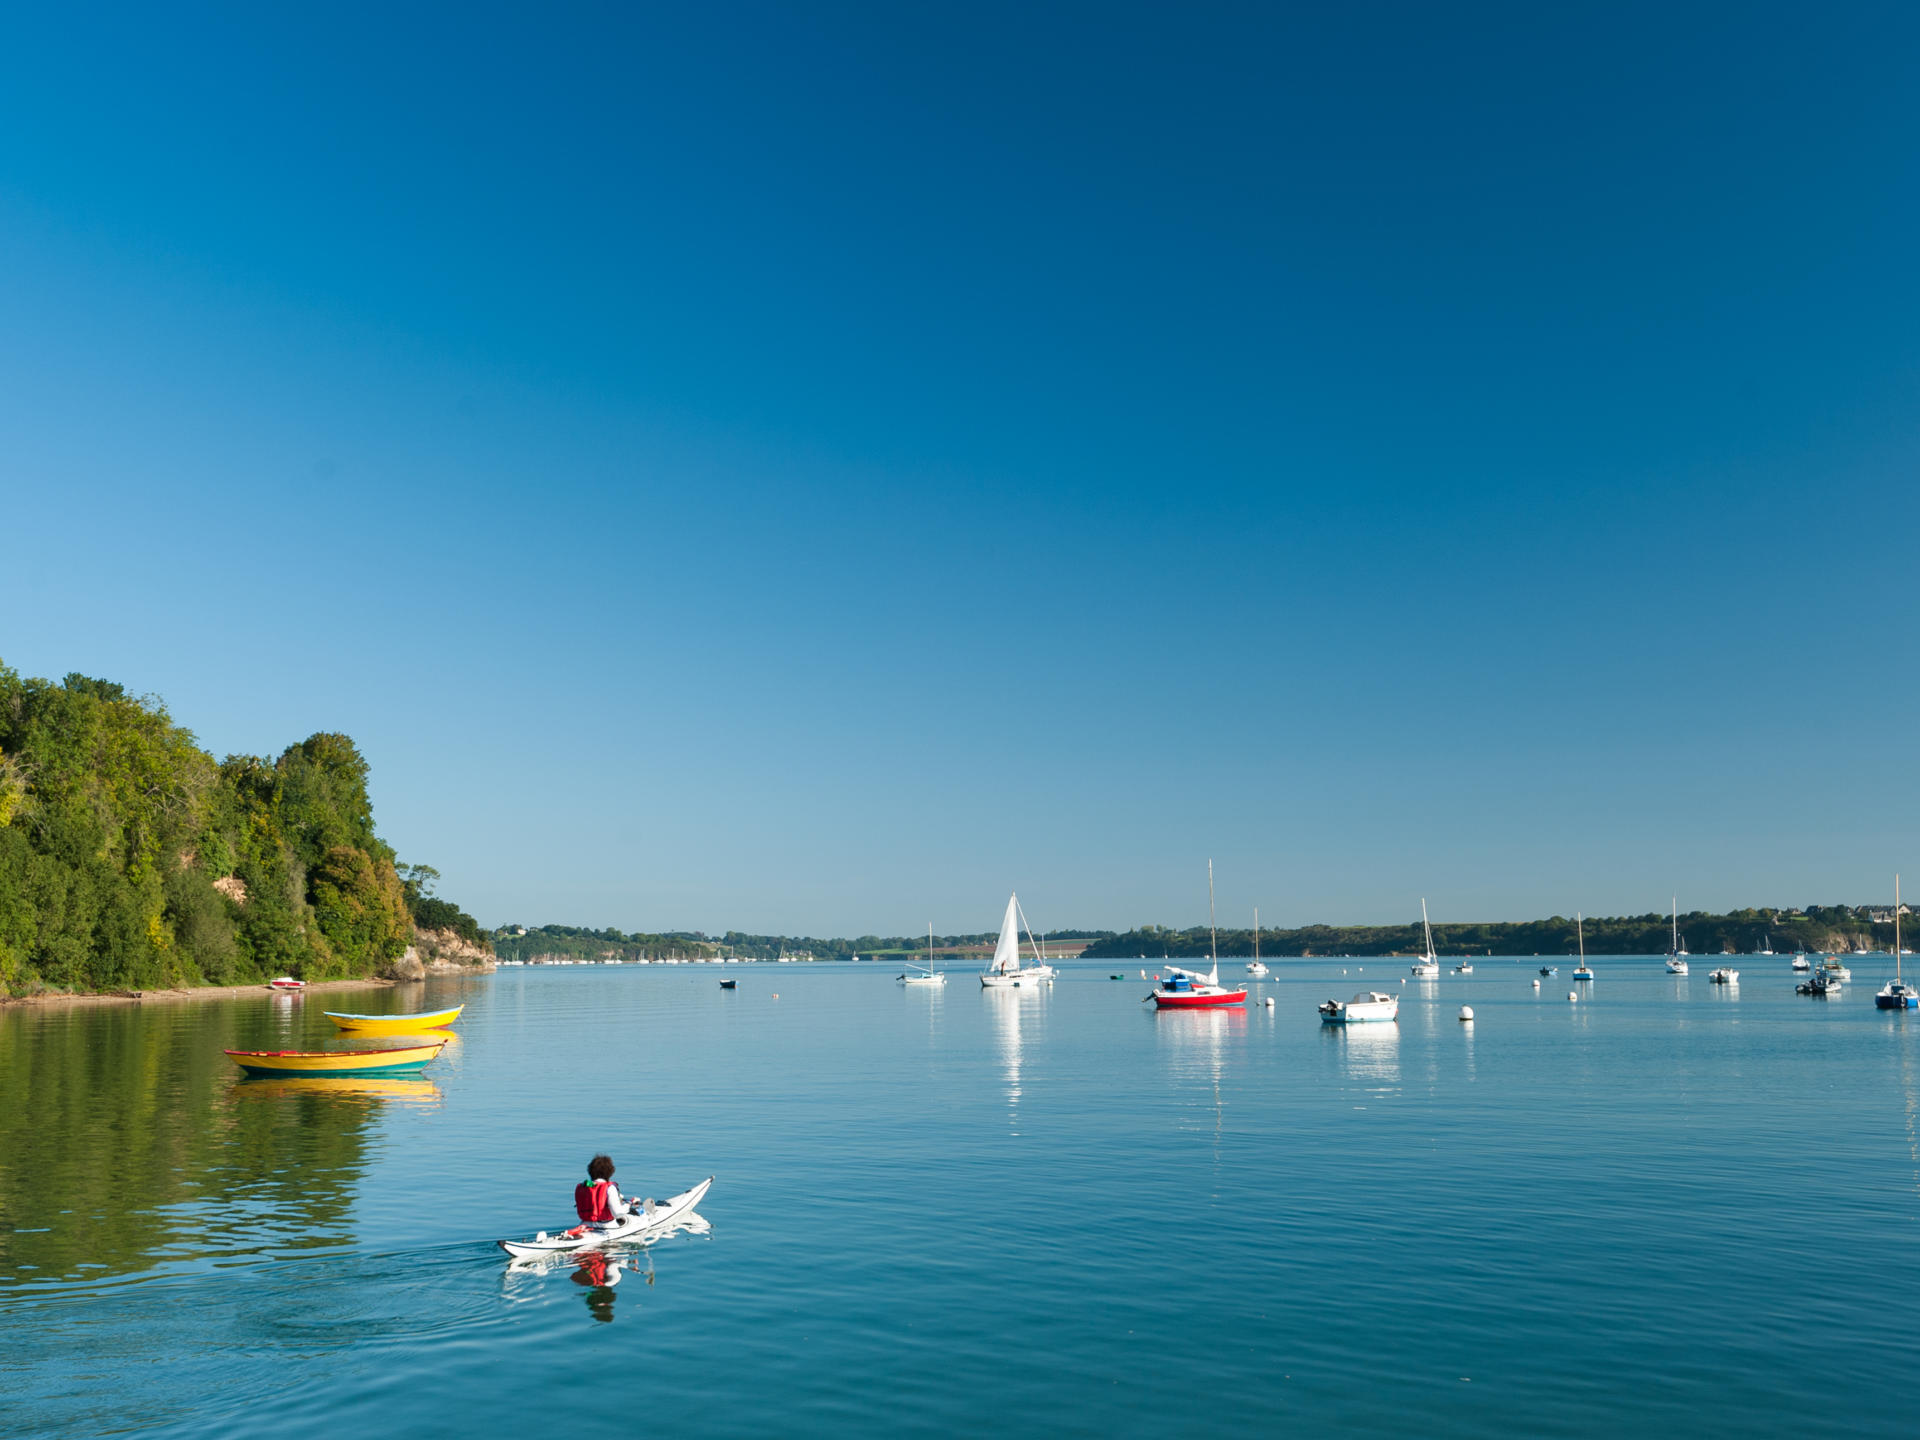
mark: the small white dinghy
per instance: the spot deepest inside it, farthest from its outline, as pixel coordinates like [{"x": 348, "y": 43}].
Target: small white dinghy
[
  {"x": 1371, "y": 1005},
  {"x": 639, "y": 1227}
]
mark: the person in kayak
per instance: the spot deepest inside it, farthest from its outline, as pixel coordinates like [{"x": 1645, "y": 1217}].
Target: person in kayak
[{"x": 598, "y": 1200}]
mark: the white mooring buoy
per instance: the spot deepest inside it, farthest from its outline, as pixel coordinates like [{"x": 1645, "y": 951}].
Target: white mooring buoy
[
  {"x": 1466, "y": 1013},
  {"x": 1536, "y": 984},
  {"x": 1269, "y": 1002},
  {"x": 1574, "y": 996}
]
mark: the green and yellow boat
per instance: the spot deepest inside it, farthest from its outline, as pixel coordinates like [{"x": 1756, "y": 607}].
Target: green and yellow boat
[
  {"x": 393, "y": 1060},
  {"x": 394, "y": 1024}
]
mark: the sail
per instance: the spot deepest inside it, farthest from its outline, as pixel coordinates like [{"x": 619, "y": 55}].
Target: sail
[{"x": 1006, "y": 955}]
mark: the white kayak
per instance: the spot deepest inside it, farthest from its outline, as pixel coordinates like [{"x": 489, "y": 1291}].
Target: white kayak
[{"x": 635, "y": 1228}]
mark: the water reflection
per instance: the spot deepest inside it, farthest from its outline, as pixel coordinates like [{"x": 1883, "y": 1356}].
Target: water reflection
[
  {"x": 1371, "y": 1052},
  {"x": 1009, "y": 1009},
  {"x": 338, "y": 1086},
  {"x": 128, "y": 1142}
]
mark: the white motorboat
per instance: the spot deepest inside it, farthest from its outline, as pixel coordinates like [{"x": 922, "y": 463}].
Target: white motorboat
[
  {"x": 1800, "y": 962},
  {"x": 1256, "y": 969},
  {"x": 1724, "y": 976},
  {"x": 1005, "y": 971},
  {"x": 1371, "y": 1005},
  {"x": 1835, "y": 972},
  {"x": 1676, "y": 956},
  {"x": 1463, "y": 968},
  {"x": 924, "y": 974},
  {"x": 1428, "y": 965},
  {"x": 1581, "y": 971}
]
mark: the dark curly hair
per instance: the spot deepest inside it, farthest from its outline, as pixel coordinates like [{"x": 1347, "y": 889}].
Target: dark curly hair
[{"x": 600, "y": 1168}]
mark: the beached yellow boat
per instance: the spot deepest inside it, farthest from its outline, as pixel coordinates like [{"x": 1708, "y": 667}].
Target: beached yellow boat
[
  {"x": 393, "y": 1060},
  {"x": 394, "y": 1024}
]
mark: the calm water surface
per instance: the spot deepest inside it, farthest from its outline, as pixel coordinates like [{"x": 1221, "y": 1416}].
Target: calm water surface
[{"x": 1669, "y": 1207}]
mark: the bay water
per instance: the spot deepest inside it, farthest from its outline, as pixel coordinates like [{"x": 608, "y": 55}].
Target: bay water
[{"x": 1669, "y": 1206}]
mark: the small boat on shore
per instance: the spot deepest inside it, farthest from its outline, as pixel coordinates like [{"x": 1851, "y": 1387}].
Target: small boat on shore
[
  {"x": 394, "y": 1024},
  {"x": 395, "y": 1060},
  {"x": 1370, "y": 1005},
  {"x": 286, "y": 984}
]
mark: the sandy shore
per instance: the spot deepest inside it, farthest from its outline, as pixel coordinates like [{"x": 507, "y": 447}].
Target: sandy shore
[{"x": 198, "y": 992}]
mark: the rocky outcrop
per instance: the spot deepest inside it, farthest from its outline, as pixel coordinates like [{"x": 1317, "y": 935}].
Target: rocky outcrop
[{"x": 446, "y": 952}]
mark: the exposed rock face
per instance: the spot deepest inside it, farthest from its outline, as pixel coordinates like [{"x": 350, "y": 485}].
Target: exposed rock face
[
  {"x": 443, "y": 952},
  {"x": 408, "y": 967},
  {"x": 233, "y": 887}
]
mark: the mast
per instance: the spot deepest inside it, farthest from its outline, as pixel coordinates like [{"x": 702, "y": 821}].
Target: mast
[
  {"x": 1256, "y": 925},
  {"x": 1213, "y": 934},
  {"x": 1426, "y": 926},
  {"x": 1580, "y": 929},
  {"x": 1896, "y": 929},
  {"x": 1675, "y": 950}
]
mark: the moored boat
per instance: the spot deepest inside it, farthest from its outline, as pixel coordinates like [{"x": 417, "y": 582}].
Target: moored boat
[
  {"x": 1581, "y": 971},
  {"x": 1897, "y": 994},
  {"x": 395, "y": 1024},
  {"x": 1369, "y": 1005},
  {"x": 1189, "y": 990},
  {"x": 1005, "y": 970},
  {"x": 1800, "y": 962},
  {"x": 1676, "y": 956},
  {"x": 923, "y": 974},
  {"x": 286, "y": 983},
  {"x": 1427, "y": 967},
  {"x": 392, "y": 1060},
  {"x": 1836, "y": 972},
  {"x": 1724, "y": 976}
]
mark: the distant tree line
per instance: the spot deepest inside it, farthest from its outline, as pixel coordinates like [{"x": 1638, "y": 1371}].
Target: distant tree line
[
  {"x": 1817, "y": 928},
  {"x": 524, "y": 942},
  {"x": 130, "y": 858}
]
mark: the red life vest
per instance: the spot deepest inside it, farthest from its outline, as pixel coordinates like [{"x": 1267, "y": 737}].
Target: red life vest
[{"x": 590, "y": 1200}]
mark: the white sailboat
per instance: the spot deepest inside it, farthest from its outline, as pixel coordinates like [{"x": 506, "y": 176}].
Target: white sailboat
[
  {"x": 1256, "y": 969},
  {"x": 1897, "y": 994},
  {"x": 924, "y": 974},
  {"x": 1676, "y": 957},
  {"x": 1005, "y": 971},
  {"x": 1580, "y": 929},
  {"x": 1428, "y": 965}
]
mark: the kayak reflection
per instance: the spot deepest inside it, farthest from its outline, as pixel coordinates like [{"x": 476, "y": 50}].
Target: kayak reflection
[{"x": 599, "y": 1274}]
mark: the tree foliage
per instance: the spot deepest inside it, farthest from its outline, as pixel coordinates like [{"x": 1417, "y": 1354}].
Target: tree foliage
[{"x": 130, "y": 858}]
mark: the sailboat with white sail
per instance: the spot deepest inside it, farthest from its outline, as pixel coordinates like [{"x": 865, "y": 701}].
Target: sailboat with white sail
[
  {"x": 1256, "y": 969},
  {"x": 1427, "y": 967},
  {"x": 1006, "y": 971},
  {"x": 1676, "y": 957}
]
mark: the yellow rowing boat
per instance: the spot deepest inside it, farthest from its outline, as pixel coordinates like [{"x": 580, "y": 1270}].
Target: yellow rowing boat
[
  {"x": 394, "y": 1024},
  {"x": 393, "y": 1060}
]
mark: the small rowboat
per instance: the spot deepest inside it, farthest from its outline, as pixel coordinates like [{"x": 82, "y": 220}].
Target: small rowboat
[
  {"x": 396, "y": 1060},
  {"x": 394, "y": 1024},
  {"x": 286, "y": 982},
  {"x": 636, "y": 1229}
]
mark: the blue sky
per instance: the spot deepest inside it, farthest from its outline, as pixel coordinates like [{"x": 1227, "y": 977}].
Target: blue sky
[{"x": 810, "y": 472}]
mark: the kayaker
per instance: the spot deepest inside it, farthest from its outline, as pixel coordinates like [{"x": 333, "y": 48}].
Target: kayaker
[{"x": 598, "y": 1200}]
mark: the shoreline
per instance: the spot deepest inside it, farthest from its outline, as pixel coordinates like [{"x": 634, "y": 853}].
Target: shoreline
[{"x": 59, "y": 999}]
